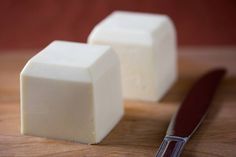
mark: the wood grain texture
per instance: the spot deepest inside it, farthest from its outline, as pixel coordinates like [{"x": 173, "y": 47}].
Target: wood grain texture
[{"x": 141, "y": 130}]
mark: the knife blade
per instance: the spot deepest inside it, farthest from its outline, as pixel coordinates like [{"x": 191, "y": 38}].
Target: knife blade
[{"x": 190, "y": 114}]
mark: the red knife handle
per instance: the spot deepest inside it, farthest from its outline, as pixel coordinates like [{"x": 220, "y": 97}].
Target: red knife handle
[{"x": 171, "y": 146}]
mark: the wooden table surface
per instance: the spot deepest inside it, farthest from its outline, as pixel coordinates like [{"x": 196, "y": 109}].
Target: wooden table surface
[{"x": 141, "y": 130}]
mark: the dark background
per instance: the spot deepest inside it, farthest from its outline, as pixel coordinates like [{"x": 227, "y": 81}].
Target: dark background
[{"x": 32, "y": 24}]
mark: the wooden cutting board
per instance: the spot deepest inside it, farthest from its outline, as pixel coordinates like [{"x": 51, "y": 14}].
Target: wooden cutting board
[{"x": 141, "y": 130}]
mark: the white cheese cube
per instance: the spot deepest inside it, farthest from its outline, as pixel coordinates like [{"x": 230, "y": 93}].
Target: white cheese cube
[
  {"x": 71, "y": 91},
  {"x": 146, "y": 46}
]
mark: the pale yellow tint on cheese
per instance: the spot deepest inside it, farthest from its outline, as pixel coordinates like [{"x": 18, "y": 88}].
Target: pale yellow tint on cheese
[
  {"x": 146, "y": 46},
  {"x": 71, "y": 91}
]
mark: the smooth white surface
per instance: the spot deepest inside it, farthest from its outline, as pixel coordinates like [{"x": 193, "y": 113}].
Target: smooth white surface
[
  {"x": 71, "y": 91},
  {"x": 146, "y": 46}
]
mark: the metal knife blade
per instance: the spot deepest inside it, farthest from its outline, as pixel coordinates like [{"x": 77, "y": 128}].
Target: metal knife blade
[{"x": 190, "y": 114}]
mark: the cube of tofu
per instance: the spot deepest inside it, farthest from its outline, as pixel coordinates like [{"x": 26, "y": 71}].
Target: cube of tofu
[
  {"x": 146, "y": 46},
  {"x": 71, "y": 91}
]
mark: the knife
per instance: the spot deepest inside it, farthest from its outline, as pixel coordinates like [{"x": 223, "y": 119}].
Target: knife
[{"x": 190, "y": 114}]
